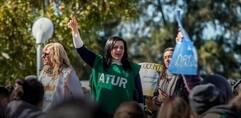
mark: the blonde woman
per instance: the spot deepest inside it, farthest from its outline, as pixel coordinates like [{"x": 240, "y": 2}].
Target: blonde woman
[{"x": 58, "y": 77}]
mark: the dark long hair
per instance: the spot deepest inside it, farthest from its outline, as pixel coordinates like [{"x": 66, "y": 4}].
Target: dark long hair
[{"x": 109, "y": 45}]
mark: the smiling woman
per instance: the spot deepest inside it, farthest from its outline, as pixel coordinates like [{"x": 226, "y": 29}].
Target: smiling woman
[
  {"x": 114, "y": 78},
  {"x": 114, "y": 52},
  {"x": 118, "y": 50}
]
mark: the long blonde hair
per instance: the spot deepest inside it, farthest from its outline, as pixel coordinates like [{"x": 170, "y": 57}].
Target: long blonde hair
[{"x": 58, "y": 58}]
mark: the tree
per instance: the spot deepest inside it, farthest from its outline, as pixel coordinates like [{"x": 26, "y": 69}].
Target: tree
[
  {"x": 17, "y": 46},
  {"x": 214, "y": 26}
]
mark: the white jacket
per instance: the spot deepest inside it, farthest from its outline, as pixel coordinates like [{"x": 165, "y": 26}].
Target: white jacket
[{"x": 57, "y": 89}]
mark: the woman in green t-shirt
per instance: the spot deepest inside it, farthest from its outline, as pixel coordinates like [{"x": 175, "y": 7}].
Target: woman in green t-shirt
[{"x": 114, "y": 78}]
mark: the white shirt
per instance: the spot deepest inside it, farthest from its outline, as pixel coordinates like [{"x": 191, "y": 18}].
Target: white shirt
[{"x": 66, "y": 85}]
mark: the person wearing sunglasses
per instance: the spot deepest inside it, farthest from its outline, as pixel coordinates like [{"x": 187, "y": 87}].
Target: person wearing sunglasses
[{"x": 57, "y": 76}]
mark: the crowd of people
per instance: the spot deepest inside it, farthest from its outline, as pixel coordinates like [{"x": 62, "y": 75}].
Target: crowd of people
[{"x": 116, "y": 89}]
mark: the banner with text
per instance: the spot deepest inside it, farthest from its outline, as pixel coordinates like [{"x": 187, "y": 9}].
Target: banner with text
[
  {"x": 184, "y": 60},
  {"x": 149, "y": 74}
]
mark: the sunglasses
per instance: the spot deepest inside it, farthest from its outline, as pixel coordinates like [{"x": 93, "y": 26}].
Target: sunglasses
[{"x": 44, "y": 54}]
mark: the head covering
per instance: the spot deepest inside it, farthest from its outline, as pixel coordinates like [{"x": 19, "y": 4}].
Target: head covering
[
  {"x": 222, "y": 85},
  {"x": 213, "y": 90}
]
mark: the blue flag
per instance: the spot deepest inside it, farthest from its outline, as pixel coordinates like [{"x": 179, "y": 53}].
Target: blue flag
[{"x": 184, "y": 60}]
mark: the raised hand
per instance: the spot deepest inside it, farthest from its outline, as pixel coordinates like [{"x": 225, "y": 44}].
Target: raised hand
[
  {"x": 179, "y": 36},
  {"x": 73, "y": 25}
]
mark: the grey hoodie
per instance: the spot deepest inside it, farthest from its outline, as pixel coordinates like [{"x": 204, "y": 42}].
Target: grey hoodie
[{"x": 214, "y": 90}]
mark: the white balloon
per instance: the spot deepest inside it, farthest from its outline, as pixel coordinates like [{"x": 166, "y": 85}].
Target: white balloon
[{"x": 42, "y": 29}]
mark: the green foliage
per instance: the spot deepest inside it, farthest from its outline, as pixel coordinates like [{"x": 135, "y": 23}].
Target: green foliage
[
  {"x": 216, "y": 54},
  {"x": 218, "y": 49},
  {"x": 17, "y": 46}
]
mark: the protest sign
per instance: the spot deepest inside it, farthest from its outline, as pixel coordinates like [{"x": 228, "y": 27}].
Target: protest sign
[
  {"x": 184, "y": 60},
  {"x": 149, "y": 74}
]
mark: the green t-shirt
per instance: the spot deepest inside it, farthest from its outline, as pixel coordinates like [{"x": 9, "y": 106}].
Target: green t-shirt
[{"x": 112, "y": 87}]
